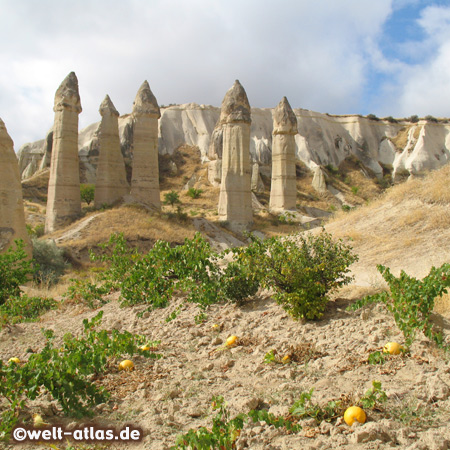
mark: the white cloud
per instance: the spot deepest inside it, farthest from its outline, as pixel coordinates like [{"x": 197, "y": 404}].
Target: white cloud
[
  {"x": 316, "y": 53},
  {"x": 425, "y": 86}
]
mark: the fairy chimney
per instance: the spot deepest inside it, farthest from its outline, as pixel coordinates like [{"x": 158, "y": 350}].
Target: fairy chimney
[
  {"x": 111, "y": 181},
  {"x": 145, "y": 175},
  {"x": 64, "y": 201},
  {"x": 235, "y": 200},
  {"x": 12, "y": 216},
  {"x": 283, "y": 190}
]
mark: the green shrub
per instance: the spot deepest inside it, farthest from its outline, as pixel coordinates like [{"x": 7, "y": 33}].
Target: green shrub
[
  {"x": 171, "y": 198},
  {"x": 431, "y": 119},
  {"x": 413, "y": 119},
  {"x": 87, "y": 192},
  {"x": 194, "y": 193},
  {"x": 49, "y": 261},
  {"x": 24, "y": 308},
  {"x": 225, "y": 431},
  {"x": 15, "y": 270},
  {"x": 37, "y": 231},
  {"x": 238, "y": 283},
  {"x": 65, "y": 371},
  {"x": 302, "y": 272},
  {"x": 372, "y": 117},
  {"x": 411, "y": 301}
]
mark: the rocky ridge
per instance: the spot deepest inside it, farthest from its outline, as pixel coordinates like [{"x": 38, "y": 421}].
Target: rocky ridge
[{"x": 402, "y": 147}]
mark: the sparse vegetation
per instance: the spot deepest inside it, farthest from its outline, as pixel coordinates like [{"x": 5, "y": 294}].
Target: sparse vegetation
[
  {"x": 15, "y": 270},
  {"x": 411, "y": 301},
  {"x": 171, "y": 198},
  {"x": 87, "y": 192},
  {"x": 194, "y": 193}
]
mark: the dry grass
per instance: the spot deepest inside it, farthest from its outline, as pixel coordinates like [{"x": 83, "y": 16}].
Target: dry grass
[
  {"x": 141, "y": 229},
  {"x": 433, "y": 189},
  {"x": 401, "y": 139},
  {"x": 406, "y": 228}
]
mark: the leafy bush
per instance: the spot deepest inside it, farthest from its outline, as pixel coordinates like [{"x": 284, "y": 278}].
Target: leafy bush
[
  {"x": 431, "y": 119},
  {"x": 413, "y": 119},
  {"x": 301, "y": 272},
  {"x": 87, "y": 192},
  {"x": 411, "y": 301},
  {"x": 225, "y": 431},
  {"x": 65, "y": 372},
  {"x": 372, "y": 117},
  {"x": 194, "y": 193},
  {"x": 49, "y": 261},
  {"x": 171, "y": 198},
  {"x": 15, "y": 269},
  {"x": 390, "y": 119},
  {"x": 24, "y": 308},
  {"x": 238, "y": 283},
  {"x": 35, "y": 232}
]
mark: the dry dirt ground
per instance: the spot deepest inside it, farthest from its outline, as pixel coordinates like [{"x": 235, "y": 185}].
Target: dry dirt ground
[{"x": 169, "y": 396}]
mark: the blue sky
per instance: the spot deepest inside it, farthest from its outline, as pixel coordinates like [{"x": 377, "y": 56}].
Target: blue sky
[{"x": 386, "y": 57}]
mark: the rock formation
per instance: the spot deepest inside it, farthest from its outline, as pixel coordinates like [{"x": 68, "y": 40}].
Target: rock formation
[
  {"x": 235, "y": 201},
  {"x": 12, "y": 216},
  {"x": 322, "y": 139},
  {"x": 64, "y": 201},
  {"x": 283, "y": 191},
  {"x": 318, "y": 182},
  {"x": 111, "y": 181},
  {"x": 145, "y": 176}
]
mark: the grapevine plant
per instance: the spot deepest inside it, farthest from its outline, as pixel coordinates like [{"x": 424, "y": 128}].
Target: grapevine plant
[{"x": 66, "y": 372}]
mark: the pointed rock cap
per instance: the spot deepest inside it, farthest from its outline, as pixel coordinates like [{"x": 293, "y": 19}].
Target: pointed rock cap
[
  {"x": 67, "y": 96},
  {"x": 284, "y": 119},
  {"x": 107, "y": 108},
  {"x": 5, "y": 138},
  {"x": 145, "y": 102},
  {"x": 235, "y": 105}
]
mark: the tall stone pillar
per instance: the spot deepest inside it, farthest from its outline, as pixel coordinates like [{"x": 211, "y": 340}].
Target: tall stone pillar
[
  {"x": 283, "y": 192},
  {"x": 235, "y": 201},
  {"x": 64, "y": 201},
  {"x": 111, "y": 181},
  {"x": 145, "y": 176},
  {"x": 12, "y": 215}
]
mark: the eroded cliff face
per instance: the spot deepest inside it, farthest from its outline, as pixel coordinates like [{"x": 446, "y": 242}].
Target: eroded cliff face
[{"x": 322, "y": 139}]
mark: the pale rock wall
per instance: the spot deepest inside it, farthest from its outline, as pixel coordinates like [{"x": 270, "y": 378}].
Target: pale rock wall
[
  {"x": 111, "y": 182},
  {"x": 145, "y": 175},
  {"x": 235, "y": 198},
  {"x": 12, "y": 215},
  {"x": 64, "y": 200},
  {"x": 283, "y": 191},
  {"x": 322, "y": 139}
]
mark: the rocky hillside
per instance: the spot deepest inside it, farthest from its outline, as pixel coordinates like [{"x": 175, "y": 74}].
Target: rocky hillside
[{"x": 383, "y": 146}]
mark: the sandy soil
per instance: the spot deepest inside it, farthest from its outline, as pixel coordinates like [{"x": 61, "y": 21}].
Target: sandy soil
[{"x": 171, "y": 395}]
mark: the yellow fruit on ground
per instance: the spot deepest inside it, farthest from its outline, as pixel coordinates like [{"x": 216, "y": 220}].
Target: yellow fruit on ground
[
  {"x": 232, "y": 340},
  {"x": 145, "y": 348},
  {"x": 354, "y": 413},
  {"x": 286, "y": 359},
  {"x": 215, "y": 327},
  {"x": 393, "y": 348},
  {"x": 126, "y": 365},
  {"x": 38, "y": 421},
  {"x": 14, "y": 360}
]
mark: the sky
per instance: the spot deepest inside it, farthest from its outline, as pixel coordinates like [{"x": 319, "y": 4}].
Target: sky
[{"x": 383, "y": 57}]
